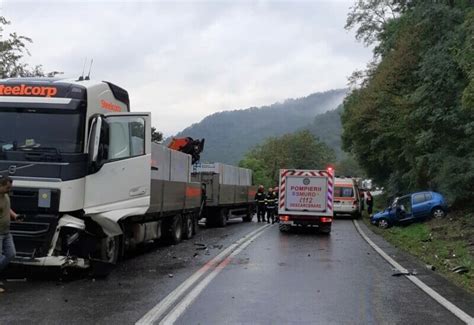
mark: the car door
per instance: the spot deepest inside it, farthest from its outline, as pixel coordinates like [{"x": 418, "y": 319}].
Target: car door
[
  {"x": 420, "y": 206},
  {"x": 404, "y": 209}
]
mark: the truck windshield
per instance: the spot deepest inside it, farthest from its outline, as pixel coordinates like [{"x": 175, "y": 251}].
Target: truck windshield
[{"x": 31, "y": 130}]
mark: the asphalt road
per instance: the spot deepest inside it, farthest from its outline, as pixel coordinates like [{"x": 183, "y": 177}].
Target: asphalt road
[{"x": 295, "y": 278}]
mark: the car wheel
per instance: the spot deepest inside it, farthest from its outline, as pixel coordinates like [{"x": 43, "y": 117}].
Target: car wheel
[
  {"x": 383, "y": 223},
  {"x": 438, "y": 213}
]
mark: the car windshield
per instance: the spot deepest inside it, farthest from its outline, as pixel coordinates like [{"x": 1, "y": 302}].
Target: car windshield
[{"x": 32, "y": 130}]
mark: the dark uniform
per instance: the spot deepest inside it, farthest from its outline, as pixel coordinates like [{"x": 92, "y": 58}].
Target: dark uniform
[
  {"x": 271, "y": 202},
  {"x": 260, "y": 200}
]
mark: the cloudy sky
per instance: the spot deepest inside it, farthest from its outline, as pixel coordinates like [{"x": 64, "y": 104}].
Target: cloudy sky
[{"x": 185, "y": 60}]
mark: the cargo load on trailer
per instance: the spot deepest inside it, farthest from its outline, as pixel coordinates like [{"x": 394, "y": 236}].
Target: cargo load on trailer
[
  {"x": 306, "y": 199},
  {"x": 229, "y": 192}
]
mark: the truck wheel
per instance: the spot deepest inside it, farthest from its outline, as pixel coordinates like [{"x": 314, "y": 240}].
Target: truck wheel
[
  {"x": 195, "y": 224},
  {"x": 249, "y": 216},
  {"x": 325, "y": 230},
  {"x": 284, "y": 228},
  {"x": 188, "y": 226},
  {"x": 176, "y": 230},
  {"x": 110, "y": 249},
  {"x": 222, "y": 218}
]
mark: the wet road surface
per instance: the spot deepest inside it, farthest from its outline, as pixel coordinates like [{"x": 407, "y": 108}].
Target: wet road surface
[
  {"x": 303, "y": 278},
  {"x": 279, "y": 278}
]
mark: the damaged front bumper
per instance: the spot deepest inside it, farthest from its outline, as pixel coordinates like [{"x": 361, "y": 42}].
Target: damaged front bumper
[
  {"x": 53, "y": 242},
  {"x": 54, "y": 261}
]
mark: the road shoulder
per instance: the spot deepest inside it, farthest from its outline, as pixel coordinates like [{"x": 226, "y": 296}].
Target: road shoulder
[{"x": 458, "y": 296}]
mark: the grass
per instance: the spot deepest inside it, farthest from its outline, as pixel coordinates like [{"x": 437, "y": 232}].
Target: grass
[{"x": 444, "y": 243}]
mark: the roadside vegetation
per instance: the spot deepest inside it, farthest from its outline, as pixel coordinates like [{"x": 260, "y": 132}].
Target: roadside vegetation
[
  {"x": 409, "y": 120},
  {"x": 443, "y": 244}
]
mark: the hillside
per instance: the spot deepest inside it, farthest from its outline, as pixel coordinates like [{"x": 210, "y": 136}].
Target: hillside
[
  {"x": 230, "y": 134},
  {"x": 327, "y": 127}
]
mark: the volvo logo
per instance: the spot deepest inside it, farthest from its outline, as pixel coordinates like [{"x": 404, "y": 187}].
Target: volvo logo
[{"x": 12, "y": 170}]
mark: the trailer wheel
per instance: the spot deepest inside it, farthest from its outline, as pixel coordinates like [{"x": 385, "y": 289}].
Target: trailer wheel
[
  {"x": 249, "y": 216},
  {"x": 188, "y": 226},
  {"x": 176, "y": 229},
  {"x": 195, "y": 224},
  {"x": 222, "y": 218}
]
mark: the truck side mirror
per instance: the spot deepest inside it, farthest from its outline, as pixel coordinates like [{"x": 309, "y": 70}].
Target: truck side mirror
[{"x": 94, "y": 141}]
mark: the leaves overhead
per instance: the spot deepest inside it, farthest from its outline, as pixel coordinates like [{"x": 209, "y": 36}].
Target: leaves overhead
[{"x": 13, "y": 49}]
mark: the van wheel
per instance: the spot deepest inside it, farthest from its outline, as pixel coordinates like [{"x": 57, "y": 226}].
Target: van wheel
[{"x": 188, "y": 227}]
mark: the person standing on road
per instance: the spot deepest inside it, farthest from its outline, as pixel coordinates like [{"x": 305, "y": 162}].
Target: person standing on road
[
  {"x": 370, "y": 203},
  {"x": 260, "y": 201},
  {"x": 7, "y": 246},
  {"x": 270, "y": 201}
]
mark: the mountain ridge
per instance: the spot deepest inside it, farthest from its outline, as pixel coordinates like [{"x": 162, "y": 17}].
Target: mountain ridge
[{"x": 230, "y": 134}]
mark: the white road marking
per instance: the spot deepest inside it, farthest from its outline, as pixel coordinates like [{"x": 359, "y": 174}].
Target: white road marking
[
  {"x": 432, "y": 293},
  {"x": 164, "y": 305},
  {"x": 189, "y": 298}
]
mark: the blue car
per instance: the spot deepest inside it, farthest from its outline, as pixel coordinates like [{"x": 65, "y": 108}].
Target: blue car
[{"x": 411, "y": 208}]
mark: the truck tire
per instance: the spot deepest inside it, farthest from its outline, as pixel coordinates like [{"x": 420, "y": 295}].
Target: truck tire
[
  {"x": 284, "y": 228},
  {"x": 110, "y": 249},
  {"x": 188, "y": 226},
  {"x": 176, "y": 230},
  {"x": 222, "y": 218},
  {"x": 195, "y": 224},
  {"x": 249, "y": 215},
  {"x": 325, "y": 230}
]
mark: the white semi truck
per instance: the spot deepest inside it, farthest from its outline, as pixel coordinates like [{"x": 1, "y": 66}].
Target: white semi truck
[
  {"x": 87, "y": 176},
  {"x": 306, "y": 199}
]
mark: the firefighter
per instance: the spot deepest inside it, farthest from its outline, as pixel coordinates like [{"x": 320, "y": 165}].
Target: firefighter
[
  {"x": 260, "y": 201},
  {"x": 270, "y": 203}
]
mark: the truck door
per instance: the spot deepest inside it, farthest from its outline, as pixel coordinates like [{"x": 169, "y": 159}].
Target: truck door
[{"x": 119, "y": 153}]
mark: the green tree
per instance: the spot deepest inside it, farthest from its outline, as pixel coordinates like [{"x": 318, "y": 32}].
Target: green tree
[
  {"x": 156, "y": 136},
  {"x": 410, "y": 124},
  {"x": 300, "y": 150},
  {"x": 12, "y": 51}
]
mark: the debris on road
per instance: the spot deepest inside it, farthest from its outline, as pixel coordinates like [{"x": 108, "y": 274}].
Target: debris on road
[
  {"x": 170, "y": 275},
  {"x": 431, "y": 267}
]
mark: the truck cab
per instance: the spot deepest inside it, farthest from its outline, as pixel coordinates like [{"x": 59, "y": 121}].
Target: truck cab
[{"x": 71, "y": 148}]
